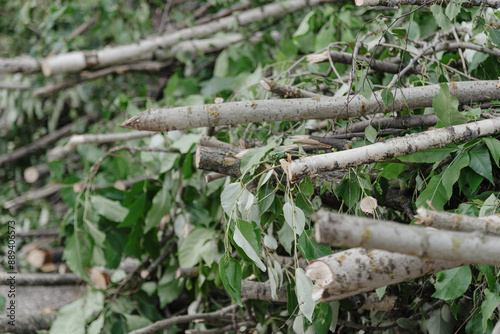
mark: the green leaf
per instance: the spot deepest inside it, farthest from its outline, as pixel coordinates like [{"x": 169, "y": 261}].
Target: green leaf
[
  {"x": 494, "y": 147},
  {"x": 136, "y": 210},
  {"x": 169, "y": 287},
  {"x": 243, "y": 242},
  {"x": 434, "y": 192},
  {"x": 221, "y": 64},
  {"x": 489, "y": 304},
  {"x": 229, "y": 197},
  {"x": 480, "y": 162},
  {"x": 446, "y": 107},
  {"x": 452, "y": 173},
  {"x": 275, "y": 278},
  {"x": 488, "y": 272},
  {"x": 451, "y": 284},
  {"x": 286, "y": 237},
  {"x": 96, "y": 234},
  {"x": 230, "y": 273},
  {"x": 495, "y": 36},
  {"x": 304, "y": 26},
  {"x": 295, "y": 218},
  {"x": 191, "y": 246},
  {"x": 364, "y": 87},
  {"x": 304, "y": 293},
  {"x": 380, "y": 292},
  {"x": 70, "y": 319},
  {"x": 112, "y": 210},
  {"x": 184, "y": 143},
  {"x": 442, "y": 20},
  {"x": 387, "y": 96},
  {"x": 310, "y": 249},
  {"x": 96, "y": 325},
  {"x": 371, "y": 133},
  {"x": 322, "y": 318},
  {"x": 136, "y": 321},
  {"x": 77, "y": 253},
  {"x": 429, "y": 156},
  {"x": 252, "y": 157},
  {"x": 453, "y": 9},
  {"x": 489, "y": 206},
  {"x": 391, "y": 170},
  {"x": 159, "y": 208},
  {"x": 306, "y": 187}
]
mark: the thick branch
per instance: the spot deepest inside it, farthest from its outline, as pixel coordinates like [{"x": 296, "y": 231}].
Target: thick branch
[
  {"x": 77, "y": 61},
  {"x": 390, "y": 148},
  {"x": 182, "y": 118},
  {"x": 358, "y": 270},
  {"x": 261, "y": 291},
  {"x": 456, "y": 222},
  {"x": 31, "y": 195},
  {"x": 351, "y": 231}
]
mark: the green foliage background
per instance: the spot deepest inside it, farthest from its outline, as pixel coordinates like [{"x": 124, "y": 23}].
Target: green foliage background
[{"x": 236, "y": 233}]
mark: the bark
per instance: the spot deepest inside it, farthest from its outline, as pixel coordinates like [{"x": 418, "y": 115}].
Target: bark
[
  {"x": 286, "y": 90},
  {"x": 261, "y": 291},
  {"x": 376, "y": 65},
  {"x": 401, "y": 122},
  {"x": 390, "y": 148},
  {"x": 397, "y": 3},
  {"x": 77, "y": 61},
  {"x": 357, "y": 270},
  {"x": 457, "y": 222},
  {"x": 31, "y": 195},
  {"x": 217, "y": 160},
  {"x": 231, "y": 113},
  {"x": 446, "y": 45},
  {"x": 351, "y": 231},
  {"x": 40, "y": 279}
]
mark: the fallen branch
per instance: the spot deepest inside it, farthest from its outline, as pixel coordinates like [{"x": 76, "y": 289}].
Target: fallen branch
[
  {"x": 357, "y": 270},
  {"x": 77, "y": 61},
  {"x": 390, "y": 148},
  {"x": 401, "y": 122},
  {"x": 262, "y": 291},
  {"x": 22, "y": 64},
  {"x": 456, "y": 222},
  {"x": 351, "y": 231},
  {"x": 397, "y": 3},
  {"x": 286, "y": 90},
  {"x": 182, "y": 118}
]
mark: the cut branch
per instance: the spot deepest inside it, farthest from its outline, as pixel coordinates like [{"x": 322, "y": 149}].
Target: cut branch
[
  {"x": 391, "y": 148},
  {"x": 401, "y": 122},
  {"x": 231, "y": 113},
  {"x": 359, "y": 270},
  {"x": 351, "y": 231},
  {"x": 78, "y": 60},
  {"x": 40, "y": 279}
]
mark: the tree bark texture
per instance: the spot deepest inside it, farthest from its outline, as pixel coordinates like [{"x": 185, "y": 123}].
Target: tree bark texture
[
  {"x": 457, "y": 222},
  {"x": 397, "y": 3},
  {"x": 352, "y": 231},
  {"x": 359, "y": 270},
  {"x": 231, "y": 113},
  {"x": 390, "y": 148},
  {"x": 76, "y": 61}
]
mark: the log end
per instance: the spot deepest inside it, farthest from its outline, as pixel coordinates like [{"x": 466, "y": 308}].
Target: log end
[{"x": 359, "y": 2}]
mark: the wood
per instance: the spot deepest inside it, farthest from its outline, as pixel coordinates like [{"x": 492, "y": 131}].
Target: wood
[
  {"x": 390, "y": 148},
  {"x": 231, "y": 113},
  {"x": 350, "y": 231},
  {"x": 357, "y": 270}
]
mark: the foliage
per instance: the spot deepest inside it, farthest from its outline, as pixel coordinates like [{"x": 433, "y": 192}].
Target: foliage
[{"x": 232, "y": 230}]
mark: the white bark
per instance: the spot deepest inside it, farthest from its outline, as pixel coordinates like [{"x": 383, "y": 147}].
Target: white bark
[
  {"x": 182, "y": 118},
  {"x": 456, "y": 222},
  {"x": 397, "y": 3},
  {"x": 351, "y": 231},
  {"x": 358, "y": 270},
  {"x": 79, "y": 60},
  {"x": 390, "y": 148}
]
